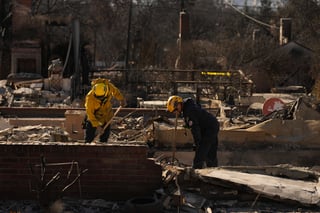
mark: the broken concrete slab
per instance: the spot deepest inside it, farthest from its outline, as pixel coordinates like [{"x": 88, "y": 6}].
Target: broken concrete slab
[
  {"x": 304, "y": 192},
  {"x": 244, "y": 189},
  {"x": 281, "y": 170}
]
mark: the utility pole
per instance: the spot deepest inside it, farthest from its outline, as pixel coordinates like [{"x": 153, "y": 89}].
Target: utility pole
[
  {"x": 182, "y": 5},
  {"x": 128, "y": 41},
  {"x": 76, "y": 56},
  {"x": 183, "y": 36}
]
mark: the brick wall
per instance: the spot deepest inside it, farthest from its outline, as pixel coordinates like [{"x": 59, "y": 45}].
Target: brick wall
[{"x": 114, "y": 172}]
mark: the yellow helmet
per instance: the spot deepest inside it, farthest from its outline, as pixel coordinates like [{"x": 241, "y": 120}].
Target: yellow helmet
[
  {"x": 173, "y": 102},
  {"x": 100, "y": 89}
]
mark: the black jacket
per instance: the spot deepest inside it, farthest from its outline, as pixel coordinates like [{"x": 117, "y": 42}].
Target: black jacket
[{"x": 202, "y": 123}]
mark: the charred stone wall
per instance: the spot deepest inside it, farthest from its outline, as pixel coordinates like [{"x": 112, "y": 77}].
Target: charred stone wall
[{"x": 110, "y": 172}]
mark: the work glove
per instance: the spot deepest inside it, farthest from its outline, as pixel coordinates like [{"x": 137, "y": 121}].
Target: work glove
[{"x": 123, "y": 103}]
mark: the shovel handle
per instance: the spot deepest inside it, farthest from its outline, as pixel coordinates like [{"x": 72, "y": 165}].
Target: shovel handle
[
  {"x": 174, "y": 140},
  {"x": 108, "y": 123}
]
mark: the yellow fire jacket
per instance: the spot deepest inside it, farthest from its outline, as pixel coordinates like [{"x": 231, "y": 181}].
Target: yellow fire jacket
[{"x": 99, "y": 112}]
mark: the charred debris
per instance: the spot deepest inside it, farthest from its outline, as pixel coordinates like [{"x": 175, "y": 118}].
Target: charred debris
[{"x": 228, "y": 188}]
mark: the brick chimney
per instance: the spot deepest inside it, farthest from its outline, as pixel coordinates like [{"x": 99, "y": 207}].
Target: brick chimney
[{"x": 21, "y": 14}]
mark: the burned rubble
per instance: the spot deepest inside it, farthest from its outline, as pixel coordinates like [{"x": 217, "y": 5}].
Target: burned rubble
[
  {"x": 233, "y": 188},
  {"x": 268, "y": 156},
  {"x": 243, "y": 189},
  {"x": 30, "y": 90},
  {"x": 246, "y": 186}
]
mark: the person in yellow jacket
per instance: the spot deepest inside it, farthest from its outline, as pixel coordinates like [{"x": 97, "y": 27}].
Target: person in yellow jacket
[{"x": 99, "y": 108}]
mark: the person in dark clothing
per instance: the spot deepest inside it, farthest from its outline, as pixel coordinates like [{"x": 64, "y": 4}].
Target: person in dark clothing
[{"x": 204, "y": 128}]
